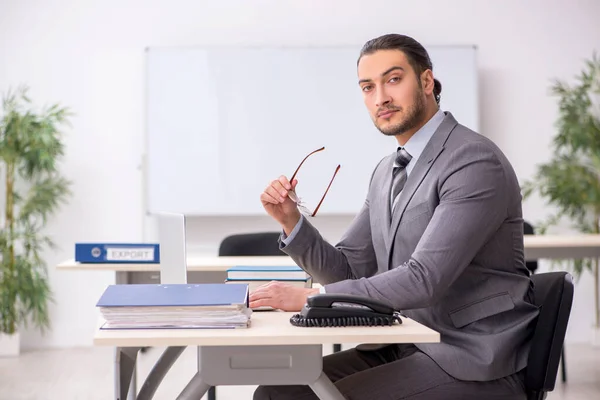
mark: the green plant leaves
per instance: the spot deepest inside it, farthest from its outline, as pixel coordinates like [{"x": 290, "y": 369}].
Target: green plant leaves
[
  {"x": 43, "y": 198},
  {"x": 30, "y": 150},
  {"x": 570, "y": 181}
]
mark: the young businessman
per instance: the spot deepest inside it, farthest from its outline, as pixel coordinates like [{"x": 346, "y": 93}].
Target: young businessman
[{"x": 440, "y": 237}]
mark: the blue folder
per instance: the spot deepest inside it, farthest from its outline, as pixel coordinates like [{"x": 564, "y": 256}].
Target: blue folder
[{"x": 182, "y": 294}]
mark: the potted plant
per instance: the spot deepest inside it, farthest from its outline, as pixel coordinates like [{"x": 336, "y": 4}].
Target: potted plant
[
  {"x": 570, "y": 181},
  {"x": 30, "y": 150}
]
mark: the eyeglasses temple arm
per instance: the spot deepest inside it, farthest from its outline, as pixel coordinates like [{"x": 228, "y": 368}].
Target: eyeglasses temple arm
[
  {"x": 324, "y": 194},
  {"x": 297, "y": 169}
]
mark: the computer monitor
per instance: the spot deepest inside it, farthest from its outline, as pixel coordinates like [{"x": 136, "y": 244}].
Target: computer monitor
[{"x": 171, "y": 233}]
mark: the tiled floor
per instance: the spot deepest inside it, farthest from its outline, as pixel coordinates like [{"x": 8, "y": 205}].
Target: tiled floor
[{"x": 87, "y": 374}]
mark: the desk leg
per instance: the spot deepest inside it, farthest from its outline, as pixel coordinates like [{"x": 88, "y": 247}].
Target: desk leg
[
  {"x": 124, "y": 278},
  {"x": 195, "y": 389},
  {"x": 160, "y": 369},
  {"x": 325, "y": 389},
  {"x": 133, "y": 385},
  {"x": 212, "y": 393},
  {"x": 125, "y": 358}
]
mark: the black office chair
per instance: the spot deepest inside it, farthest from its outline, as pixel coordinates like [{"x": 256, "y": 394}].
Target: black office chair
[
  {"x": 248, "y": 244},
  {"x": 532, "y": 266},
  {"x": 554, "y": 295},
  {"x": 251, "y": 244}
]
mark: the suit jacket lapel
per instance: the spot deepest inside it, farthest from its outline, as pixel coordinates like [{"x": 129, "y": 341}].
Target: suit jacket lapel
[{"x": 418, "y": 173}]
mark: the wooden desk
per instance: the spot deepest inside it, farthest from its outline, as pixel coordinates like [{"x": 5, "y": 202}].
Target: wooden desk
[
  {"x": 212, "y": 268},
  {"x": 536, "y": 247},
  {"x": 203, "y": 269},
  {"x": 201, "y": 263},
  {"x": 267, "y": 328},
  {"x": 561, "y": 247},
  {"x": 271, "y": 351}
]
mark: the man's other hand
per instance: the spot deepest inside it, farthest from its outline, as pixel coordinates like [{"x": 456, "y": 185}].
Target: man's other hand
[{"x": 280, "y": 295}]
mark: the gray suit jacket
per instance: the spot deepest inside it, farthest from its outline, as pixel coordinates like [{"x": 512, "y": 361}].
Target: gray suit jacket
[{"x": 451, "y": 257}]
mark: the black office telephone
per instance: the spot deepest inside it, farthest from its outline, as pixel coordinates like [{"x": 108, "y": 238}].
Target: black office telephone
[{"x": 324, "y": 310}]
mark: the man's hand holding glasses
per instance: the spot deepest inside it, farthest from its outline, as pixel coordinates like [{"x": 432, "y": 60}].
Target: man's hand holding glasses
[
  {"x": 282, "y": 203},
  {"x": 278, "y": 204}
]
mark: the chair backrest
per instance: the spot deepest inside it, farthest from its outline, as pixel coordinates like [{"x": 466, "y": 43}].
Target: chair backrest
[
  {"x": 532, "y": 266},
  {"x": 251, "y": 244},
  {"x": 554, "y": 295}
]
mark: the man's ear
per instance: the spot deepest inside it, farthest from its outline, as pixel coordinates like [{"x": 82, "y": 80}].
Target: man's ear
[{"x": 427, "y": 82}]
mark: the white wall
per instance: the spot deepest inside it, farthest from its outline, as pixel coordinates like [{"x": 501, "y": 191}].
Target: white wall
[{"x": 90, "y": 56}]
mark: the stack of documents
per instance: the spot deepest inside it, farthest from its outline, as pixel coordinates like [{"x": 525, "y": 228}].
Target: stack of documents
[
  {"x": 176, "y": 306},
  {"x": 257, "y": 276}
]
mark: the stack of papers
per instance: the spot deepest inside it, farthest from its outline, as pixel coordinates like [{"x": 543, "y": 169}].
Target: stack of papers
[{"x": 175, "y": 306}]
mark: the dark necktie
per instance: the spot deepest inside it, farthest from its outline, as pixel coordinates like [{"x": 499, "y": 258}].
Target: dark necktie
[{"x": 399, "y": 174}]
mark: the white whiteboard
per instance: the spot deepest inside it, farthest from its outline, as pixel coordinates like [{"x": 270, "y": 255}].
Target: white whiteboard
[{"x": 223, "y": 122}]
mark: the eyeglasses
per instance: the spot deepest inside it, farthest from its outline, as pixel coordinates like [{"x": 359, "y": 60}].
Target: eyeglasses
[{"x": 292, "y": 194}]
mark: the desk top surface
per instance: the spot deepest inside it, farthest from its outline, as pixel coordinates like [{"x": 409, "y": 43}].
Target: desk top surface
[
  {"x": 198, "y": 263},
  {"x": 267, "y": 328},
  {"x": 562, "y": 241},
  {"x": 542, "y": 244}
]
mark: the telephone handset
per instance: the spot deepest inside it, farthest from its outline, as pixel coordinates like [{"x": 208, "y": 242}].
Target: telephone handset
[{"x": 330, "y": 309}]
